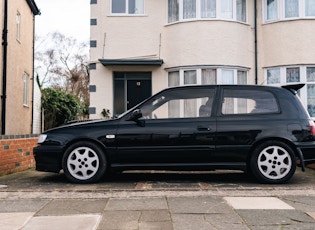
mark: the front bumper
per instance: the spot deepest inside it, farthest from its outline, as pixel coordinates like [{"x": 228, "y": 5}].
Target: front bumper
[{"x": 48, "y": 158}]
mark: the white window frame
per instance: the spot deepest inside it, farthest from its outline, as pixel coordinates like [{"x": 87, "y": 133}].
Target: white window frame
[
  {"x": 218, "y": 77},
  {"x": 126, "y": 13},
  {"x": 281, "y": 16},
  {"x": 25, "y": 88},
  {"x": 283, "y": 80},
  {"x": 218, "y": 16}
]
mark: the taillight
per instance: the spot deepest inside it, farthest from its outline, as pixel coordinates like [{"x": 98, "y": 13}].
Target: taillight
[{"x": 312, "y": 127}]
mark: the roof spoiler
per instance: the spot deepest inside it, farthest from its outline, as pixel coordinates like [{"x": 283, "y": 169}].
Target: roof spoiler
[{"x": 293, "y": 88}]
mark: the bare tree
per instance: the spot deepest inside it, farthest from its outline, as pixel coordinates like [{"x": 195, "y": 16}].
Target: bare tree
[{"x": 61, "y": 63}]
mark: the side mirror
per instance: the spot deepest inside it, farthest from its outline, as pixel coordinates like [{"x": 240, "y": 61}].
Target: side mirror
[{"x": 135, "y": 115}]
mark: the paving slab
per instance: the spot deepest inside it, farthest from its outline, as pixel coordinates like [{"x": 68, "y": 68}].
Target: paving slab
[
  {"x": 14, "y": 220},
  {"x": 156, "y": 225},
  {"x": 22, "y": 205},
  {"x": 72, "y": 206},
  {"x": 86, "y": 222},
  {"x": 257, "y": 203},
  {"x": 122, "y": 220},
  {"x": 155, "y": 216},
  {"x": 139, "y": 203},
  {"x": 191, "y": 221},
  {"x": 203, "y": 204},
  {"x": 269, "y": 218}
]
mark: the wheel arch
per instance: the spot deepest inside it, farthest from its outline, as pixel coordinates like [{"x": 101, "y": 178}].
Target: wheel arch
[
  {"x": 98, "y": 143},
  {"x": 284, "y": 140}
]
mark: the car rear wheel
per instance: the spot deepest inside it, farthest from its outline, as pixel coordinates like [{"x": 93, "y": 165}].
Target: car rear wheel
[
  {"x": 84, "y": 162},
  {"x": 273, "y": 162}
]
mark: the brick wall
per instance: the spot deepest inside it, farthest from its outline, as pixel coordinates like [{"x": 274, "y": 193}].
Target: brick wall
[{"x": 16, "y": 153}]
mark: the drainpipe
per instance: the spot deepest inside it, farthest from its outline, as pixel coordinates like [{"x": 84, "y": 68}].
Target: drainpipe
[
  {"x": 4, "y": 70},
  {"x": 256, "y": 46}
]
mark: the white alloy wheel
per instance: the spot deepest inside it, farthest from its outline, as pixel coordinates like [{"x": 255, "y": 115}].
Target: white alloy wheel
[
  {"x": 83, "y": 163},
  {"x": 274, "y": 162}
]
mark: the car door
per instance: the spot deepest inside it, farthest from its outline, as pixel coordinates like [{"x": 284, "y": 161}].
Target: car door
[
  {"x": 176, "y": 127},
  {"x": 243, "y": 117}
]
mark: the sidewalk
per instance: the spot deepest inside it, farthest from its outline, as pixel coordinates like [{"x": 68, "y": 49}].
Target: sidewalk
[
  {"x": 36, "y": 201},
  {"x": 143, "y": 213}
]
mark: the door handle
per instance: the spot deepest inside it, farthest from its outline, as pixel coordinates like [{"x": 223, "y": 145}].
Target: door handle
[{"x": 202, "y": 128}]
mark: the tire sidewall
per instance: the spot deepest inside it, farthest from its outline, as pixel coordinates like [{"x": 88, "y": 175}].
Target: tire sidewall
[
  {"x": 254, "y": 162},
  {"x": 101, "y": 157}
]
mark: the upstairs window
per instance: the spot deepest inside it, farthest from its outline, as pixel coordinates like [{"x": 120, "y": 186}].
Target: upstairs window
[
  {"x": 127, "y": 7},
  {"x": 278, "y": 10},
  {"x": 182, "y": 10},
  {"x": 18, "y": 26}
]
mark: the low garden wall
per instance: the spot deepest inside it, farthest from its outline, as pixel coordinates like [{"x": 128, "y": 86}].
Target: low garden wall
[{"x": 16, "y": 153}]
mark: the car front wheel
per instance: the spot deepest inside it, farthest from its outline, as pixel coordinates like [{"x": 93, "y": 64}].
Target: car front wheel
[
  {"x": 84, "y": 162},
  {"x": 273, "y": 162}
]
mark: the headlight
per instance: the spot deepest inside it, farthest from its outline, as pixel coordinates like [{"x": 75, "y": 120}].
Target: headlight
[{"x": 41, "y": 138}]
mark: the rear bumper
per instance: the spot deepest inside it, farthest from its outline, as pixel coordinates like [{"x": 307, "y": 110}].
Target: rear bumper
[
  {"x": 48, "y": 158},
  {"x": 307, "y": 150}
]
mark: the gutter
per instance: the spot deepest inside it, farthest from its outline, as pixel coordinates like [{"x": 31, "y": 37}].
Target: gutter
[{"x": 4, "y": 70}]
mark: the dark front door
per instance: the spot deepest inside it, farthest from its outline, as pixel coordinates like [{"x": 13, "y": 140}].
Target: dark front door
[
  {"x": 137, "y": 91},
  {"x": 130, "y": 88}
]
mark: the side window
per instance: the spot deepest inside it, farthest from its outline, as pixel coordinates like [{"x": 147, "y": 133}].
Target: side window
[
  {"x": 248, "y": 102},
  {"x": 180, "y": 103}
]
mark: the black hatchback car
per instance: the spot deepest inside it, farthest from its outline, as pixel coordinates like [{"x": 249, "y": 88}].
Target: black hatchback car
[{"x": 262, "y": 129}]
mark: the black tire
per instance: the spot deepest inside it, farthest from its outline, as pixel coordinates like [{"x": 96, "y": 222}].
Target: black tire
[
  {"x": 84, "y": 162},
  {"x": 273, "y": 162}
]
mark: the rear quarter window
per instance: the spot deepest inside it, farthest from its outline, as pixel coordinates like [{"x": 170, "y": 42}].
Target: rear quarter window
[{"x": 236, "y": 101}]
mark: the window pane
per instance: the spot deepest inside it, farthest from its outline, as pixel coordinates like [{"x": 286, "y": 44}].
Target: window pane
[
  {"x": 310, "y": 74},
  {"x": 208, "y": 8},
  {"x": 119, "y": 6},
  {"x": 227, "y": 77},
  {"x": 293, "y": 75},
  {"x": 241, "y": 10},
  {"x": 180, "y": 103},
  {"x": 227, "y": 9},
  {"x": 309, "y": 8},
  {"x": 189, "y": 9},
  {"x": 208, "y": 77},
  {"x": 190, "y": 77},
  {"x": 291, "y": 8},
  {"x": 273, "y": 76},
  {"x": 272, "y": 9},
  {"x": 136, "y": 7},
  {"x": 18, "y": 25},
  {"x": 241, "y": 77},
  {"x": 248, "y": 102},
  {"x": 173, "y": 79},
  {"x": 25, "y": 90},
  {"x": 173, "y": 10},
  {"x": 311, "y": 100}
]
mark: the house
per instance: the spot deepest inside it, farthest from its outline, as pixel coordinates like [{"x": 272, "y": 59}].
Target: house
[
  {"x": 139, "y": 47},
  {"x": 17, "y": 65}
]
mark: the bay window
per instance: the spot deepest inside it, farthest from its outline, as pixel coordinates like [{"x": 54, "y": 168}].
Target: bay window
[
  {"x": 181, "y": 10},
  {"x": 207, "y": 76},
  {"x": 295, "y": 75},
  {"x": 288, "y": 9}
]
